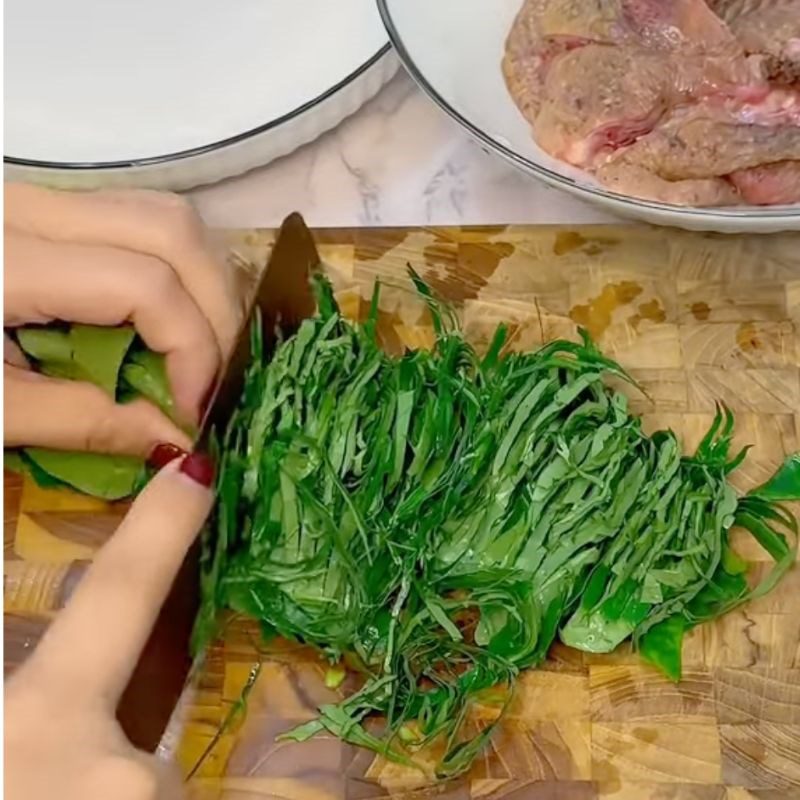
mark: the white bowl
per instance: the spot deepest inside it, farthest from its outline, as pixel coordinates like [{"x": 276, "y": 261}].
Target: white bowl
[
  {"x": 179, "y": 93},
  {"x": 454, "y": 49}
]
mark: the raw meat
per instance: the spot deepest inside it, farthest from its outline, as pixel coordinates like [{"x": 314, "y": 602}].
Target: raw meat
[
  {"x": 706, "y": 156},
  {"x": 578, "y": 118},
  {"x": 635, "y": 180},
  {"x": 589, "y": 74},
  {"x": 701, "y": 142},
  {"x": 770, "y": 28},
  {"x": 769, "y": 184},
  {"x": 659, "y": 98}
]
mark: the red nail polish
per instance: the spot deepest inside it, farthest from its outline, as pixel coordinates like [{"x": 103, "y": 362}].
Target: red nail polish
[
  {"x": 200, "y": 468},
  {"x": 164, "y": 453}
]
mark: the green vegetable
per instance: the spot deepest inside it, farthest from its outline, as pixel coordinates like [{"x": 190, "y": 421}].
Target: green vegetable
[
  {"x": 144, "y": 374},
  {"x": 661, "y": 646},
  {"x": 785, "y": 484},
  {"x": 82, "y": 352},
  {"x": 111, "y": 359},
  {"x": 334, "y": 676},
  {"x": 109, "y": 477},
  {"x": 42, "y": 477},
  {"x": 438, "y": 519}
]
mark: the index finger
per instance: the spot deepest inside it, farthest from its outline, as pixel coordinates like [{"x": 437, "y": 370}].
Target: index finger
[
  {"x": 106, "y": 286},
  {"x": 153, "y": 223},
  {"x": 91, "y": 649}
]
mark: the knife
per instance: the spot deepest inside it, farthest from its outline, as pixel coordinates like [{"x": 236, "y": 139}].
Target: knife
[{"x": 284, "y": 299}]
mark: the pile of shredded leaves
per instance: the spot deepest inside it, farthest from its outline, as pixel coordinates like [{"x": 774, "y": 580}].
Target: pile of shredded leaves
[{"x": 439, "y": 519}]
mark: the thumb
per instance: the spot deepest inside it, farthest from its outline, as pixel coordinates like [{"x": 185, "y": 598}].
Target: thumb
[
  {"x": 73, "y": 415},
  {"x": 124, "y": 589},
  {"x": 133, "y": 775}
]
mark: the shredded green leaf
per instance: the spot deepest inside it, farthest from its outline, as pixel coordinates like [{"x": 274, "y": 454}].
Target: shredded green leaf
[{"x": 440, "y": 519}]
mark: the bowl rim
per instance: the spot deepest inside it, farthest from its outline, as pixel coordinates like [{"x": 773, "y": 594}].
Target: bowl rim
[
  {"x": 204, "y": 149},
  {"x": 729, "y": 213}
]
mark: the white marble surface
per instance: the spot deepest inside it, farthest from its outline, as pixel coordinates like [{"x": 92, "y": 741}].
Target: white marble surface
[{"x": 398, "y": 161}]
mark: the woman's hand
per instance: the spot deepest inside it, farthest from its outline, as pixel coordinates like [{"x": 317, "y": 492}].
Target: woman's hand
[
  {"x": 106, "y": 258},
  {"x": 61, "y": 736}
]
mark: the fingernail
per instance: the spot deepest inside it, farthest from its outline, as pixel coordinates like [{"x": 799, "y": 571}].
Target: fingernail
[
  {"x": 200, "y": 468},
  {"x": 164, "y": 453}
]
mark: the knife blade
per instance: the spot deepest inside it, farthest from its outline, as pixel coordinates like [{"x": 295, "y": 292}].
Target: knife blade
[{"x": 284, "y": 298}]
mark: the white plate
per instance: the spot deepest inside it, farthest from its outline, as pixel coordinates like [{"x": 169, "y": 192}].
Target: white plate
[
  {"x": 454, "y": 48},
  {"x": 180, "y": 91}
]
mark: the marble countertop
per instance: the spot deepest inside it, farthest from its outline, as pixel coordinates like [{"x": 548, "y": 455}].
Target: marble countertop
[{"x": 398, "y": 161}]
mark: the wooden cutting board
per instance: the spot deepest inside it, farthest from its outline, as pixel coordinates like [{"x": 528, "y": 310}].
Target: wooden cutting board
[{"x": 696, "y": 318}]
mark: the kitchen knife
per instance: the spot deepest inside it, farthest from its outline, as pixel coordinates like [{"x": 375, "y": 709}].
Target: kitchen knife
[{"x": 284, "y": 298}]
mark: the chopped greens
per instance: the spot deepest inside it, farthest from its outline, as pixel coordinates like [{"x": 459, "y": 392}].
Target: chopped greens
[
  {"x": 439, "y": 519},
  {"x": 114, "y": 360}
]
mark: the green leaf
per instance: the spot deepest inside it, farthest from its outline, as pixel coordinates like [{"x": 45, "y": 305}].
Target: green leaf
[
  {"x": 784, "y": 485},
  {"x": 99, "y": 352},
  {"x": 595, "y": 633},
  {"x": 718, "y": 596},
  {"x": 732, "y": 562},
  {"x": 84, "y": 352},
  {"x": 613, "y": 621},
  {"x": 144, "y": 373},
  {"x": 334, "y": 676},
  {"x": 39, "y": 475},
  {"x": 108, "y": 477},
  {"x": 49, "y": 346},
  {"x": 771, "y": 540},
  {"x": 440, "y": 616},
  {"x": 662, "y": 646},
  {"x": 493, "y": 619},
  {"x": 776, "y": 530}
]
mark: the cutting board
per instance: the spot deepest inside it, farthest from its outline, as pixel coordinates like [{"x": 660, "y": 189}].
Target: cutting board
[{"x": 696, "y": 318}]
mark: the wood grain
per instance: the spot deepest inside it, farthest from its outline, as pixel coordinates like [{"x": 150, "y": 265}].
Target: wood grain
[{"x": 696, "y": 318}]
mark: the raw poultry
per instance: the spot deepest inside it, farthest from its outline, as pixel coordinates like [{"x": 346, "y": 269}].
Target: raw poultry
[
  {"x": 671, "y": 100},
  {"x": 769, "y": 28}
]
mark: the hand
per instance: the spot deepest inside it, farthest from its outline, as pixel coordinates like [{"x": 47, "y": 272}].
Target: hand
[
  {"x": 61, "y": 736},
  {"x": 106, "y": 258}
]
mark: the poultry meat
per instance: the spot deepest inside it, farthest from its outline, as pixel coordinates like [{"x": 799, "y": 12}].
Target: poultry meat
[
  {"x": 770, "y": 28},
  {"x": 664, "y": 99}
]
